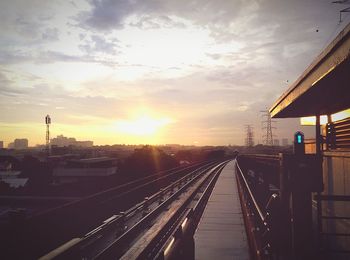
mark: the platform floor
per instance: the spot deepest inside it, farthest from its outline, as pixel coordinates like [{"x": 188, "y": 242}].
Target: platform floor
[{"x": 221, "y": 233}]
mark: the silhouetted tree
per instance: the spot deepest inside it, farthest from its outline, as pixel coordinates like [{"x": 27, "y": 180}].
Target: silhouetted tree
[
  {"x": 215, "y": 154},
  {"x": 184, "y": 155},
  {"x": 39, "y": 173},
  {"x": 147, "y": 160},
  {"x": 4, "y": 187},
  {"x": 10, "y": 159}
]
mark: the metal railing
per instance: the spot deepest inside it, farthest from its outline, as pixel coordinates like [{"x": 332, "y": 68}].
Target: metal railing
[
  {"x": 261, "y": 223},
  {"x": 338, "y": 134},
  {"x": 153, "y": 246},
  {"x": 180, "y": 243},
  {"x": 77, "y": 247},
  {"x": 41, "y": 227},
  {"x": 326, "y": 235}
]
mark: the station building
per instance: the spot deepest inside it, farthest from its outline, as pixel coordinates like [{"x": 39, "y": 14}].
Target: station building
[
  {"x": 85, "y": 169},
  {"x": 322, "y": 93}
]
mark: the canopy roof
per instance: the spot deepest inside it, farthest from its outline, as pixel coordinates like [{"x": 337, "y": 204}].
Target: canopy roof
[{"x": 324, "y": 87}]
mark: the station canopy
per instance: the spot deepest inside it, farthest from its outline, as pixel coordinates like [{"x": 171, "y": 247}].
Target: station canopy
[{"x": 324, "y": 87}]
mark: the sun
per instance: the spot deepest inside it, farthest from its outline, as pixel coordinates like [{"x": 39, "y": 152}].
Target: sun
[{"x": 142, "y": 126}]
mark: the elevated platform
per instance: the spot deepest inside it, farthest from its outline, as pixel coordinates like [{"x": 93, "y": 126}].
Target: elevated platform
[{"x": 221, "y": 233}]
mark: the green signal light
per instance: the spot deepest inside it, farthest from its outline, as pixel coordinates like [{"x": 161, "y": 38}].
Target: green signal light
[{"x": 299, "y": 140}]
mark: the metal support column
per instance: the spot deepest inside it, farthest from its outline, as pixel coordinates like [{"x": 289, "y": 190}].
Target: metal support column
[{"x": 318, "y": 201}]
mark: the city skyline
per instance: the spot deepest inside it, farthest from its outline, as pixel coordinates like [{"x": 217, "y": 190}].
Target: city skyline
[
  {"x": 62, "y": 141},
  {"x": 154, "y": 72}
]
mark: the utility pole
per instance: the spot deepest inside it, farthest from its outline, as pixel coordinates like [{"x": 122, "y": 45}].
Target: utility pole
[
  {"x": 267, "y": 127},
  {"x": 249, "y": 140}
]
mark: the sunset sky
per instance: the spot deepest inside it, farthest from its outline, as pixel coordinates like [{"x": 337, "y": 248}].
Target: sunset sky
[{"x": 154, "y": 71}]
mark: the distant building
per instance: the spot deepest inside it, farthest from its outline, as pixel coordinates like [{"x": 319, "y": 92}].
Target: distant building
[
  {"x": 1, "y": 144},
  {"x": 84, "y": 143},
  {"x": 10, "y": 176},
  {"x": 85, "y": 169},
  {"x": 11, "y": 145},
  {"x": 62, "y": 141},
  {"x": 21, "y": 143},
  {"x": 12, "y": 179},
  {"x": 285, "y": 141},
  {"x": 276, "y": 142}
]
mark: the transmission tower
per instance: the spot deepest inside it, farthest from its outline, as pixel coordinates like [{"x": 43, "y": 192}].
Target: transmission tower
[
  {"x": 267, "y": 127},
  {"x": 249, "y": 140},
  {"x": 48, "y": 122}
]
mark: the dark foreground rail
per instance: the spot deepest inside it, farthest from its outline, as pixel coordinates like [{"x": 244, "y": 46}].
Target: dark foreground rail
[
  {"x": 277, "y": 194},
  {"x": 113, "y": 237},
  {"x": 262, "y": 224},
  {"x": 37, "y": 235},
  {"x": 175, "y": 239}
]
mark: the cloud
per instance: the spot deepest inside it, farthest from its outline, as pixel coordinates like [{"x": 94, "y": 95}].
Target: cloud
[
  {"x": 49, "y": 57},
  {"x": 106, "y": 15},
  {"x": 22, "y": 22},
  {"x": 65, "y": 106},
  {"x": 4, "y": 80},
  {"x": 216, "y": 65},
  {"x": 6, "y": 88},
  {"x": 156, "y": 22},
  {"x": 50, "y": 34},
  {"x": 99, "y": 44},
  {"x": 38, "y": 57}
]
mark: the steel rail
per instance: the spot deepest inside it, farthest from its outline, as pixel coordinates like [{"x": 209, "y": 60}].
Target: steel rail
[
  {"x": 261, "y": 215},
  {"x": 186, "y": 226},
  {"x": 179, "y": 218},
  {"x": 50, "y": 221},
  {"x": 72, "y": 250},
  {"x": 119, "y": 246},
  {"x": 116, "y": 189}
]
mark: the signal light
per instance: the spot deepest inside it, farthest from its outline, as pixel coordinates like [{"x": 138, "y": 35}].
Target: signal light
[{"x": 299, "y": 147}]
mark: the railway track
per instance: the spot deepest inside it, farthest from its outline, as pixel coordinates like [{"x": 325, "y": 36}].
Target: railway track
[
  {"x": 144, "y": 230},
  {"x": 44, "y": 232}
]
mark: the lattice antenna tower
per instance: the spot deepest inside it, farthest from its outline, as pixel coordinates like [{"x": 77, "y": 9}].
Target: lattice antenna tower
[
  {"x": 267, "y": 128},
  {"x": 48, "y": 122},
  {"x": 249, "y": 140}
]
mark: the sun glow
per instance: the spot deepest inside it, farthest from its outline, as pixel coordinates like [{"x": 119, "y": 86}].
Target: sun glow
[{"x": 142, "y": 126}]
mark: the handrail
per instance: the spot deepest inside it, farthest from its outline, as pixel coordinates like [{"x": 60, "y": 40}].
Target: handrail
[
  {"x": 328, "y": 249},
  {"x": 262, "y": 156},
  {"x": 251, "y": 194},
  {"x": 262, "y": 225}
]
